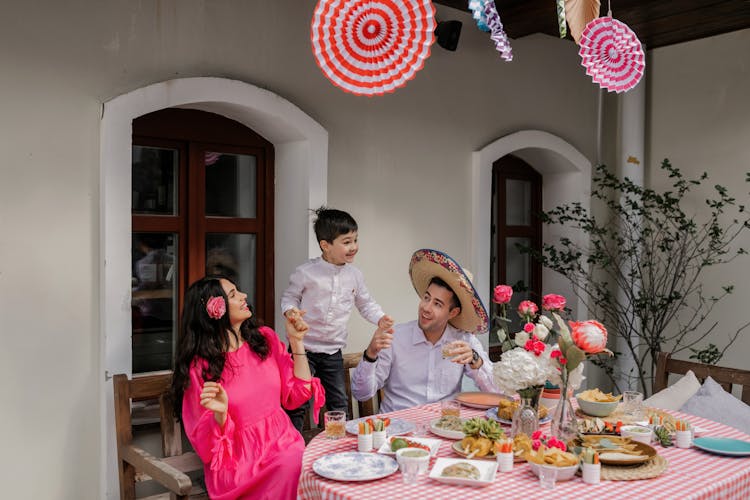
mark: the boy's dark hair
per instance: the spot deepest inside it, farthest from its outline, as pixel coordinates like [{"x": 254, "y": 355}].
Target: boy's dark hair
[
  {"x": 454, "y": 298},
  {"x": 330, "y": 223}
]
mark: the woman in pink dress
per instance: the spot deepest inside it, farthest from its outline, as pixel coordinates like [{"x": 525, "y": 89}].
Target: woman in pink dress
[{"x": 231, "y": 380}]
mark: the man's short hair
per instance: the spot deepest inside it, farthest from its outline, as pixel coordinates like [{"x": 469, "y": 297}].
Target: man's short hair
[
  {"x": 454, "y": 298},
  {"x": 330, "y": 223}
]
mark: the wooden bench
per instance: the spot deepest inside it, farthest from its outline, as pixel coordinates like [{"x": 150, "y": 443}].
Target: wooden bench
[
  {"x": 136, "y": 464},
  {"x": 726, "y": 377}
]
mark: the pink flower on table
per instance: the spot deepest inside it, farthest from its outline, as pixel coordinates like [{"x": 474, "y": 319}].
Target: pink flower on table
[
  {"x": 216, "y": 307},
  {"x": 535, "y": 444},
  {"x": 528, "y": 327},
  {"x": 553, "y": 302},
  {"x": 537, "y": 434},
  {"x": 590, "y": 336},
  {"x": 502, "y": 294}
]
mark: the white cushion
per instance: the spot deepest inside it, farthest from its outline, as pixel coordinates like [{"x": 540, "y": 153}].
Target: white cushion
[
  {"x": 714, "y": 403},
  {"x": 676, "y": 395}
]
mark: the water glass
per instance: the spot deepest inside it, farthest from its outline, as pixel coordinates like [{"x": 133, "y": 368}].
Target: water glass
[
  {"x": 448, "y": 349},
  {"x": 632, "y": 402},
  {"x": 409, "y": 471},
  {"x": 335, "y": 424},
  {"x": 547, "y": 476}
]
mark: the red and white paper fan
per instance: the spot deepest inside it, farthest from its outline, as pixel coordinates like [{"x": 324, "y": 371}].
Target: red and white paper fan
[
  {"x": 370, "y": 47},
  {"x": 612, "y": 54}
]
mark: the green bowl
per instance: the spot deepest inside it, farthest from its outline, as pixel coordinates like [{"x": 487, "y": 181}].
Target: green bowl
[{"x": 596, "y": 409}]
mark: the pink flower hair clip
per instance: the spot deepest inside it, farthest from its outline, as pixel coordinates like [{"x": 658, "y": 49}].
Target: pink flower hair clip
[{"x": 216, "y": 307}]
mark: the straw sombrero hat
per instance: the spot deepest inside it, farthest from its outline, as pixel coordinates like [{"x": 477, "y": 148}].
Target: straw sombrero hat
[{"x": 426, "y": 264}]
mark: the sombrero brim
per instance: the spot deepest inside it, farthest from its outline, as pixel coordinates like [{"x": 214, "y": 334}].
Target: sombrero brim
[{"x": 426, "y": 264}]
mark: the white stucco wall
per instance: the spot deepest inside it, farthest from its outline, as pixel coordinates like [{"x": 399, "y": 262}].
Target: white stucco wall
[
  {"x": 699, "y": 118},
  {"x": 400, "y": 163}
]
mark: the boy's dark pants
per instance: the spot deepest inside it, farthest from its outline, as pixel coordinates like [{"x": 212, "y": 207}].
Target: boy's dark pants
[{"x": 329, "y": 368}]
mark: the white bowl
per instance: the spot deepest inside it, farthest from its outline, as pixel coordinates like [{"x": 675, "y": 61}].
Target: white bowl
[
  {"x": 419, "y": 455},
  {"x": 596, "y": 408},
  {"x": 563, "y": 473},
  {"x": 637, "y": 433}
]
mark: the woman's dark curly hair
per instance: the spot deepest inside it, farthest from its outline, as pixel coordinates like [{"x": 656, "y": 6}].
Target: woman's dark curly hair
[{"x": 202, "y": 337}]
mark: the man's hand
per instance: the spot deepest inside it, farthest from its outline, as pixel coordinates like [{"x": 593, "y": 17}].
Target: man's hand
[
  {"x": 381, "y": 339},
  {"x": 463, "y": 354}
]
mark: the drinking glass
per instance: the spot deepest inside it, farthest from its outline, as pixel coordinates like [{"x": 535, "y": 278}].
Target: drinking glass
[
  {"x": 409, "y": 471},
  {"x": 448, "y": 349},
  {"x": 335, "y": 424},
  {"x": 450, "y": 407},
  {"x": 547, "y": 476},
  {"x": 632, "y": 402}
]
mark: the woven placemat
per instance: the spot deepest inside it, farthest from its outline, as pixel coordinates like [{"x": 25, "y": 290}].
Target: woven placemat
[{"x": 654, "y": 467}]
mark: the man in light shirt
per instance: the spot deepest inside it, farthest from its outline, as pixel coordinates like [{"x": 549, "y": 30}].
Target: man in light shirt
[{"x": 424, "y": 361}]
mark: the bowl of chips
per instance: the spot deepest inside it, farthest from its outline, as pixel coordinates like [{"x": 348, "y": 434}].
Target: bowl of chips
[
  {"x": 565, "y": 462},
  {"x": 596, "y": 403}
]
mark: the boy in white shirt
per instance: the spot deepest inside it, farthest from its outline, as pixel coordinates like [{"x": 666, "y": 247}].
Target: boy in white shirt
[{"x": 326, "y": 288}]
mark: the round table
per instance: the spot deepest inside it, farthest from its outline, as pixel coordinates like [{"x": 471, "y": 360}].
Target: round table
[{"x": 691, "y": 473}]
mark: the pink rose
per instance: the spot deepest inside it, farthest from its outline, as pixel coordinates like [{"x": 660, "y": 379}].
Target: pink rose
[
  {"x": 590, "y": 336},
  {"x": 537, "y": 434},
  {"x": 528, "y": 327},
  {"x": 552, "y": 302},
  {"x": 502, "y": 294},
  {"x": 216, "y": 307},
  {"x": 527, "y": 308}
]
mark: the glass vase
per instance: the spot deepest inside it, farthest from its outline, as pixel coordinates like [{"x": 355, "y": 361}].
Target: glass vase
[
  {"x": 526, "y": 417},
  {"x": 564, "y": 423}
]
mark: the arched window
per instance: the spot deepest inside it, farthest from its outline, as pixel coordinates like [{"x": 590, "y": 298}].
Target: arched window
[
  {"x": 516, "y": 205},
  {"x": 202, "y": 203}
]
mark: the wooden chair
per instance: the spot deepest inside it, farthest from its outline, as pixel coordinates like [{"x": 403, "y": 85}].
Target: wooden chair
[
  {"x": 136, "y": 464},
  {"x": 365, "y": 408},
  {"x": 726, "y": 377}
]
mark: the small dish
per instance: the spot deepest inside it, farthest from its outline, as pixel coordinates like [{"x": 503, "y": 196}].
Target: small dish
[
  {"x": 563, "y": 473},
  {"x": 597, "y": 408},
  {"x": 457, "y": 449},
  {"x": 723, "y": 446},
  {"x": 487, "y": 472},
  {"x": 433, "y": 444},
  {"x": 479, "y": 400},
  {"x": 446, "y": 433},
  {"x": 492, "y": 413},
  {"x": 422, "y": 457},
  {"x": 638, "y": 433}
]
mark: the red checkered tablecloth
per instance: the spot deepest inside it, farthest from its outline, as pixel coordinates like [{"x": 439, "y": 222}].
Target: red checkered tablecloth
[{"x": 691, "y": 474}]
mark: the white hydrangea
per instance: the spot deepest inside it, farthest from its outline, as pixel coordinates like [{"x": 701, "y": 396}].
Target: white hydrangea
[
  {"x": 541, "y": 331},
  {"x": 521, "y": 338},
  {"x": 519, "y": 369}
]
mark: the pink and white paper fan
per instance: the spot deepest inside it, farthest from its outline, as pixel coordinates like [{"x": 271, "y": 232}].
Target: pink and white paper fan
[
  {"x": 370, "y": 47},
  {"x": 612, "y": 54}
]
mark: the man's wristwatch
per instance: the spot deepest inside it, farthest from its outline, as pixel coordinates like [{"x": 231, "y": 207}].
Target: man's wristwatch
[
  {"x": 368, "y": 358},
  {"x": 474, "y": 357}
]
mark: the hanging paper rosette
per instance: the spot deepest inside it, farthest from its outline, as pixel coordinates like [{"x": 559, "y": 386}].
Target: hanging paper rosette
[
  {"x": 612, "y": 54},
  {"x": 502, "y": 44},
  {"x": 477, "y": 11},
  {"x": 370, "y": 47}
]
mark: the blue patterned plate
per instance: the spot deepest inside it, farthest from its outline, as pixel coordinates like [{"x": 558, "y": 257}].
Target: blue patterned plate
[
  {"x": 492, "y": 413},
  {"x": 723, "y": 446},
  {"x": 397, "y": 426},
  {"x": 354, "y": 466}
]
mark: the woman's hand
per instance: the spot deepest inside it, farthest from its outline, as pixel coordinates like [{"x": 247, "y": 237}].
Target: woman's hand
[
  {"x": 296, "y": 328},
  {"x": 215, "y": 398}
]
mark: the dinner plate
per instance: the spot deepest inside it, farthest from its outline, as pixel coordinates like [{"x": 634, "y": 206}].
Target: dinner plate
[
  {"x": 397, "y": 426},
  {"x": 354, "y": 466},
  {"x": 492, "y": 413},
  {"x": 480, "y": 400},
  {"x": 446, "y": 433},
  {"x": 723, "y": 446},
  {"x": 458, "y": 451},
  {"x": 487, "y": 472},
  {"x": 433, "y": 444}
]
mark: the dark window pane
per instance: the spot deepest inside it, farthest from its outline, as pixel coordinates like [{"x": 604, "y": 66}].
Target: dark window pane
[
  {"x": 517, "y": 202},
  {"x": 154, "y": 180},
  {"x": 230, "y": 185},
  {"x": 233, "y": 255},
  {"x": 154, "y": 300}
]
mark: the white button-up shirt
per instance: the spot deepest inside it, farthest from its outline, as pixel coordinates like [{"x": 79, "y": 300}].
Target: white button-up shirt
[
  {"x": 328, "y": 292},
  {"x": 413, "y": 372}
]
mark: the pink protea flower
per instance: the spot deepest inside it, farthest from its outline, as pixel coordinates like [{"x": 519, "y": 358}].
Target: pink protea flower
[
  {"x": 590, "y": 336},
  {"x": 553, "y": 302},
  {"x": 502, "y": 294},
  {"x": 216, "y": 307}
]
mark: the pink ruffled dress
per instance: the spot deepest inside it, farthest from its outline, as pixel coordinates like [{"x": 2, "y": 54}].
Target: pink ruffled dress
[{"x": 258, "y": 453}]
